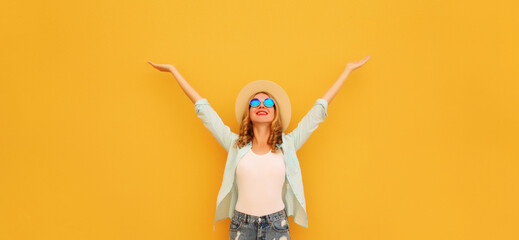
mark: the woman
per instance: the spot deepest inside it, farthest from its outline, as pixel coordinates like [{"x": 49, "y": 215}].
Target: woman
[{"x": 261, "y": 165}]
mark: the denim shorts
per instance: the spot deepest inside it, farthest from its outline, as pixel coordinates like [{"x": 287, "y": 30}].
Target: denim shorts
[{"x": 271, "y": 226}]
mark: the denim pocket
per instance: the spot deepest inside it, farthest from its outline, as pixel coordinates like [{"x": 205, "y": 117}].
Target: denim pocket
[
  {"x": 235, "y": 224},
  {"x": 280, "y": 225}
]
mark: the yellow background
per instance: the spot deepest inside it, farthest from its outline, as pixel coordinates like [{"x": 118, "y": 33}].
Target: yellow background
[{"x": 420, "y": 143}]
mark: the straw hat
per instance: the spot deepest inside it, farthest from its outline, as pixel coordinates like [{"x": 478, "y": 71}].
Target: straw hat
[{"x": 280, "y": 96}]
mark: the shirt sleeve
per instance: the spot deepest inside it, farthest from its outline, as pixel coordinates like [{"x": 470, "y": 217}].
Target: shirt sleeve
[
  {"x": 309, "y": 123},
  {"x": 214, "y": 123}
]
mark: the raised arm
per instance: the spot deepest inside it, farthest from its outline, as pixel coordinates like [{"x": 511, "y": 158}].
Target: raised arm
[
  {"x": 188, "y": 90},
  {"x": 319, "y": 111},
  {"x": 330, "y": 94},
  {"x": 203, "y": 109}
]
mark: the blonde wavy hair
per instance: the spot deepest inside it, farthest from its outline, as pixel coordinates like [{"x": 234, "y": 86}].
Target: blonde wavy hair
[{"x": 247, "y": 134}]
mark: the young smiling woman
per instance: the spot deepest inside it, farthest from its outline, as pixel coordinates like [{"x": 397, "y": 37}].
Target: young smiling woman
[{"x": 268, "y": 180}]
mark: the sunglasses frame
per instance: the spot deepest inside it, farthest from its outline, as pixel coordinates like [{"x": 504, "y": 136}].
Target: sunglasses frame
[{"x": 255, "y": 99}]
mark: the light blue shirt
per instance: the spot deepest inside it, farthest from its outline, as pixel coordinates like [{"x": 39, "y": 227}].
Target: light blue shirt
[{"x": 293, "y": 193}]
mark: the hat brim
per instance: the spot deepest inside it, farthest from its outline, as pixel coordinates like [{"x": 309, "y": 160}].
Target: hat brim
[{"x": 281, "y": 97}]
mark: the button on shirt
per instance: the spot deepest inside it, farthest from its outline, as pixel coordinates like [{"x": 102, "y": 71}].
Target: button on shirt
[{"x": 293, "y": 192}]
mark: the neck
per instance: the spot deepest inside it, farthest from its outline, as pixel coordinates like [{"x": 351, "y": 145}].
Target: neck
[{"x": 261, "y": 134}]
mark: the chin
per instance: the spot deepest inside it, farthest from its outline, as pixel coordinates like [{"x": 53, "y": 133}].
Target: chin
[{"x": 265, "y": 121}]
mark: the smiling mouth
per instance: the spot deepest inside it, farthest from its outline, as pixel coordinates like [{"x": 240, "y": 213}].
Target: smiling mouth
[{"x": 263, "y": 113}]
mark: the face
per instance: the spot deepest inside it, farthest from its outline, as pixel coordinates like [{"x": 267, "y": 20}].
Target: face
[{"x": 262, "y": 114}]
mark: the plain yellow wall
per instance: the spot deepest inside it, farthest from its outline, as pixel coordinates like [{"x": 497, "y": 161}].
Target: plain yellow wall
[{"x": 420, "y": 143}]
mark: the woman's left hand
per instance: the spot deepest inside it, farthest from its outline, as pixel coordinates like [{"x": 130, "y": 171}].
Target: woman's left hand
[{"x": 356, "y": 64}]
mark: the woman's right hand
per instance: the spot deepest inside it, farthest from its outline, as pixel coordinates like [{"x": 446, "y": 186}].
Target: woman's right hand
[{"x": 163, "y": 67}]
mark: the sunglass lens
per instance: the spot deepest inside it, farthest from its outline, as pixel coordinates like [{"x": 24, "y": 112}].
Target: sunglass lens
[
  {"x": 254, "y": 102},
  {"x": 268, "y": 102}
]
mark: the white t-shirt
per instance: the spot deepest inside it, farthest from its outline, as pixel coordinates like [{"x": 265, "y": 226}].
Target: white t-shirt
[{"x": 260, "y": 179}]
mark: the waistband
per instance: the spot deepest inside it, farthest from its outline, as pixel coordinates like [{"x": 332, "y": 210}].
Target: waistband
[{"x": 251, "y": 218}]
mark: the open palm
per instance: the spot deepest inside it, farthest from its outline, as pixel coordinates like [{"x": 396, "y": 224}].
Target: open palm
[
  {"x": 162, "y": 67},
  {"x": 356, "y": 64}
]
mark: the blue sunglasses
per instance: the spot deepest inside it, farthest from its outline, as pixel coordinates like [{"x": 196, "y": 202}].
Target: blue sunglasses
[{"x": 267, "y": 102}]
